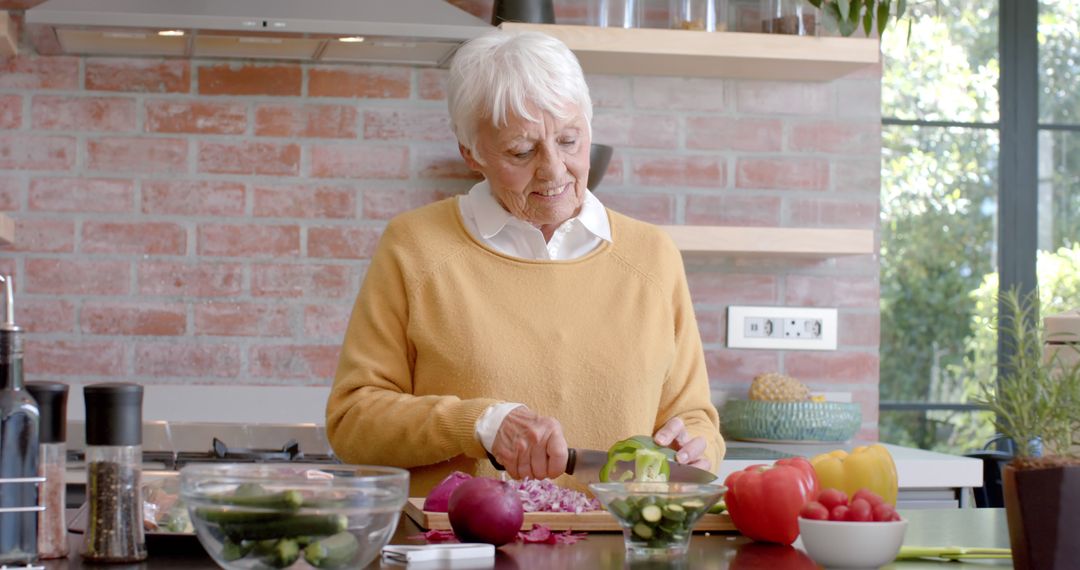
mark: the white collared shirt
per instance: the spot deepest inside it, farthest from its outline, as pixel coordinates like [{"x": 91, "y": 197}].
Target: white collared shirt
[{"x": 490, "y": 223}]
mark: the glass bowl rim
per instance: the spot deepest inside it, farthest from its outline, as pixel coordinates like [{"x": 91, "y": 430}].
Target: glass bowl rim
[{"x": 673, "y": 488}]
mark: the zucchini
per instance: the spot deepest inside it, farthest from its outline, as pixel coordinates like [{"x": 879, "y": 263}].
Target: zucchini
[
  {"x": 651, "y": 513},
  {"x": 643, "y": 531},
  {"x": 284, "y": 553},
  {"x": 228, "y": 516},
  {"x": 231, "y": 551},
  {"x": 333, "y": 551},
  {"x": 284, "y": 501},
  {"x": 290, "y": 527}
]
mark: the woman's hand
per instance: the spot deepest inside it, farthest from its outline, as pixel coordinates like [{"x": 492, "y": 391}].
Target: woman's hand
[
  {"x": 530, "y": 445},
  {"x": 690, "y": 450}
]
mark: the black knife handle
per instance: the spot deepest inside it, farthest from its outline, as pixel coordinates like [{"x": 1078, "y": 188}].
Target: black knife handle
[{"x": 571, "y": 461}]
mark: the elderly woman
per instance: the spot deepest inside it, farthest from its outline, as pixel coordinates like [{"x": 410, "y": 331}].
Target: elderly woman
[{"x": 523, "y": 317}]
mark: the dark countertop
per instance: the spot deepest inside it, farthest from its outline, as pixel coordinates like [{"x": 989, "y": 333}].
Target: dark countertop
[{"x": 604, "y": 551}]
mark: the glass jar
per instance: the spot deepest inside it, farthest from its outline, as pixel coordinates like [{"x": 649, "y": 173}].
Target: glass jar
[
  {"x": 114, "y": 527},
  {"x": 52, "y": 539},
  {"x": 615, "y": 13},
  {"x": 792, "y": 17},
  {"x": 702, "y": 15}
]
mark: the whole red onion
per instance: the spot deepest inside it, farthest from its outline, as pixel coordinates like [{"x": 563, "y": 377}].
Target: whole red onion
[
  {"x": 438, "y": 500},
  {"x": 486, "y": 510}
]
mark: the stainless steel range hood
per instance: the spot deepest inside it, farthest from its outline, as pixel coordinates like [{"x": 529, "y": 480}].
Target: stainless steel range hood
[{"x": 413, "y": 32}]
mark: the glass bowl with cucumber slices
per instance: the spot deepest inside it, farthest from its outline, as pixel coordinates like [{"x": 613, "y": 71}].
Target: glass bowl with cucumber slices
[
  {"x": 657, "y": 518},
  {"x": 251, "y": 516}
]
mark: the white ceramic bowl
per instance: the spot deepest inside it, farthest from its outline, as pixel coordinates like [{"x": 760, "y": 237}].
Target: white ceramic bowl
[{"x": 835, "y": 544}]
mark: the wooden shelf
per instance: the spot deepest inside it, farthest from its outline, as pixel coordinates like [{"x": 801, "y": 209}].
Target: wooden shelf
[
  {"x": 650, "y": 51},
  {"x": 7, "y": 230},
  {"x": 767, "y": 241},
  {"x": 9, "y": 39}
]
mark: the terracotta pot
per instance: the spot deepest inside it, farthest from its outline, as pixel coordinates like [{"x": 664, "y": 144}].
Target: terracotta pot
[{"x": 1043, "y": 510}]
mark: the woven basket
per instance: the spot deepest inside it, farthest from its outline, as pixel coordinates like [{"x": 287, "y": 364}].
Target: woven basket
[{"x": 754, "y": 420}]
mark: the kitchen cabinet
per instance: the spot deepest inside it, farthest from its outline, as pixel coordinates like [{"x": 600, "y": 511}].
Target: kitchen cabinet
[
  {"x": 651, "y": 51},
  {"x": 772, "y": 241},
  {"x": 9, "y": 39}
]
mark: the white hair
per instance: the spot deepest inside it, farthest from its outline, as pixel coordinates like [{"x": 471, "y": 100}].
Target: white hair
[{"x": 502, "y": 72}]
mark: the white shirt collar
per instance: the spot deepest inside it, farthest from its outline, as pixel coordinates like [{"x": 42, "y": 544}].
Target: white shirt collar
[{"x": 492, "y": 218}]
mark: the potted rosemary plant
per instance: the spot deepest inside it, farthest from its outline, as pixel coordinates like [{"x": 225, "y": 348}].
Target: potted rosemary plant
[{"x": 1036, "y": 401}]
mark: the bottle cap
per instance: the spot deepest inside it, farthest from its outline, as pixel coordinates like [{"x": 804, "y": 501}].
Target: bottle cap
[
  {"x": 52, "y": 403},
  {"x": 113, "y": 413}
]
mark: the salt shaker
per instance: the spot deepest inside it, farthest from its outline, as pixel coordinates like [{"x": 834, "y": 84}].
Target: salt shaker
[
  {"x": 114, "y": 528},
  {"x": 19, "y": 418},
  {"x": 51, "y": 397}
]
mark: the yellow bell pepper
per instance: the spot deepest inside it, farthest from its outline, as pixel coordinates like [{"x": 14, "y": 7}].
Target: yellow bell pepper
[{"x": 868, "y": 466}]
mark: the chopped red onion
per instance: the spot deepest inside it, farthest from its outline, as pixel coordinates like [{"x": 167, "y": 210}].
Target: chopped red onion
[{"x": 542, "y": 495}]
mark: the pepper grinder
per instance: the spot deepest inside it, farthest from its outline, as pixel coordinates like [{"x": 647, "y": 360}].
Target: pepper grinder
[
  {"x": 52, "y": 526},
  {"x": 19, "y": 419},
  {"x": 114, "y": 528}
]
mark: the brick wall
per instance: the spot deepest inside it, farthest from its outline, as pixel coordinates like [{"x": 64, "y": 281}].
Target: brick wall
[{"x": 210, "y": 221}]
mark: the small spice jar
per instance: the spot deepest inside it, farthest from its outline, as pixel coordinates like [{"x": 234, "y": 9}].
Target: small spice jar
[
  {"x": 792, "y": 17},
  {"x": 701, "y": 15},
  {"x": 52, "y": 528},
  {"x": 114, "y": 528}
]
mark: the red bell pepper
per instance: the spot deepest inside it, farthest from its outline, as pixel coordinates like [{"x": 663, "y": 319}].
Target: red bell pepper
[{"x": 764, "y": 500}]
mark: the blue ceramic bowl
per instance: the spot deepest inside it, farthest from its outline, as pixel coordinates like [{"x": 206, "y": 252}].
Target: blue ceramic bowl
[{"x": 754, "y": 420}]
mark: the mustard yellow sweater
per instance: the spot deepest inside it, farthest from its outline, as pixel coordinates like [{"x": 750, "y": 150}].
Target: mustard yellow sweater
[{"x": 444, "y": 327}]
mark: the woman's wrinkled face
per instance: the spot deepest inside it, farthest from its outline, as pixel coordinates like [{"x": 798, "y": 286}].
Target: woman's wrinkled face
[{"x": 537, "y": 170}]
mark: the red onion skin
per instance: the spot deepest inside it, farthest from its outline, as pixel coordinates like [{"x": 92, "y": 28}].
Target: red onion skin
[
  {"x": 438, "y": 500},
  {"x": 485, "y": 510}
]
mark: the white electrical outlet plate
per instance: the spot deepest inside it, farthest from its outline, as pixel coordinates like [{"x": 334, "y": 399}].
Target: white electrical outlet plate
[{"x": 785, "y": 328}]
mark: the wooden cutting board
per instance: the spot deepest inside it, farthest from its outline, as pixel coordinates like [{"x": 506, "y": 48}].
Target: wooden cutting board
[{"x": 590, "y": 521}]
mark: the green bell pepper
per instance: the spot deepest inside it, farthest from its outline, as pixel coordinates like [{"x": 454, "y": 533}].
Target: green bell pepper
[{"x": 650, "y": 460}]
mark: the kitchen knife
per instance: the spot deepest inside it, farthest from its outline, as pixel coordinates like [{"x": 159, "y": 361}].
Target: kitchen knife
[{"x": 585, "y": 465}]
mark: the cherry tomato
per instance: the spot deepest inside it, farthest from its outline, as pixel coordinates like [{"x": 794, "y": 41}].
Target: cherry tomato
[
  {"x": 832, "y": 498},
  {"x": 869, "y": 496},
  {"x": 814, "y": 510},
  {"x": 859, "y": 511},
  {"x": 838, "y": 513},
  {"x": 883, "y": 512}
]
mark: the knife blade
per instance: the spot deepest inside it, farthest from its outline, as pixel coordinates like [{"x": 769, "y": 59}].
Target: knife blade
[{"x": 585, "y": 464}]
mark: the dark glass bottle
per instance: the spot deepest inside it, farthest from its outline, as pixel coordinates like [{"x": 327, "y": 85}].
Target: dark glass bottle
[{"x": 19, "y": 419}]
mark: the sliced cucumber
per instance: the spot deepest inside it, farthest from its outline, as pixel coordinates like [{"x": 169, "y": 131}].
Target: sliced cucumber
[
  {"x": 651, "y": 513},
  {"x": 643, "y": 531}
]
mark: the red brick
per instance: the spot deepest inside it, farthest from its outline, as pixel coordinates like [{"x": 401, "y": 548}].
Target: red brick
[
  {"x": 613, "y": 176},
  {"x": 46, "y": 315},
  {"x": 832, "y": 367},
  {"x": 609, "y": 91},
  {"x": 635, "y": 130},
  {"x": 343, "y": 242},
  {"x": 858, "y": 176},
  {"x": 147, "y": 238},
  {"x": 310, "y": 121},
  {"x": 136, "y": 154},
  {"x": 317, "y": 363},
  {"x": 10, "y": 111},
  {"x": 700, "y": 171},
  {"x": 305, "y": 202},
  {"x": 445, "y": 163},
  {"x": 77, "y": 277},
  {"x": 385, "y": 204},
  {"x": 18, "y": 4},
  {"x": 108, "y": 114},
  {"x": 192, "y": 198},
  {"x": 782, "y": 173},
  {"x": 35, "y": 152},
  {"x": 81, "y": 195},
  {"x": 360, "y": 161},
  {"x": 250, "y": 158},
  {"x": 652, "y": 208},
  {"x": 44, "y": 236},
  {"x": 200, "y": 117},
  {"x": 8, "y": 266},
  {"x": 859, "y": 98},
  {"x": 859, "y": 329},
  {"x": 432, "y": 84},
  {"x": 248, "y": 240},
  {"x": 75, "y": 358},
  {"x": 366, "y": 82},
  {"x": 712, "y": 326},
  {"x": 725, "y": 133},
  {"x": 249, "y": 79},
  {"x": 837, "y": 213},
  {"x": 868, "y": 400},
  {"x": 30, "y": 72},
  {"x": 133, "y": 318},
  {"x": 316, "y": 281},
  {"x": 11, "y": 189},
  {"x": 187, "y": 360},
  {"x": 679, "y": 94},
  {"x": 712, "y": 288},
  {"x": 837, "y": 291},
  {"x": 138, "y": 75},
  {"x": 202, "y": 279},
  {"x": 739, "y": 366},
  {"x": 326, "y": 321},
  {"x": 838, "y": 138},
  {"x": 408, "y": 125},
  {"x": 733, "y": 210},
  {"x": 783, "y": 98},
  {"x": 242, "y": 319}
]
